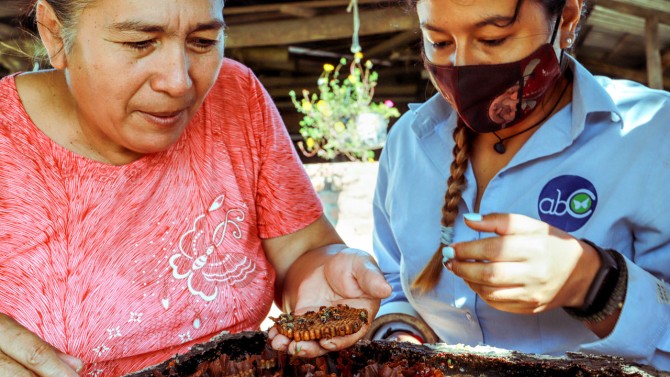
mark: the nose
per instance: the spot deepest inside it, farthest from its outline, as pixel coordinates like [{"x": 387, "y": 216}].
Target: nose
[
  {"x": 172, "y": 73},
  {"x": 462, "y": 55}
]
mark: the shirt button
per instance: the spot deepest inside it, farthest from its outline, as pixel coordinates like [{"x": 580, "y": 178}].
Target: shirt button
[{"x": 468, "y": 316}]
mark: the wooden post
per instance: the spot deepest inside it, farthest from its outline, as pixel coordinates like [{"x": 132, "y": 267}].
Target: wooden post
[{"x": 652, "y": 46}]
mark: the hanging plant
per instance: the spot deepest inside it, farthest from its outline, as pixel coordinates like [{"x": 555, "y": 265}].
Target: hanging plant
[{"x": 342, "y": 118}]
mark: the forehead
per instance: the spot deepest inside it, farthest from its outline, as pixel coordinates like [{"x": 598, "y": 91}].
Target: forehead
[
  {"x": 472, "y": 12},
  {"x": 169, "y": 14}
]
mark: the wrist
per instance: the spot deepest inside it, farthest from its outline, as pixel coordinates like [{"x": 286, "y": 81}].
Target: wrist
[
  {"x": 585, "y": 275},
  {"x": 607, "y": 291}
]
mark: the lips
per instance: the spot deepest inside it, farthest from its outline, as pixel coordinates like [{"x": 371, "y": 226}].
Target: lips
[{"x": 165, "y": 118}]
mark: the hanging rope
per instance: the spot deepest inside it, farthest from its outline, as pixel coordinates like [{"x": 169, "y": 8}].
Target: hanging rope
[{"x": 355, "y": 46}]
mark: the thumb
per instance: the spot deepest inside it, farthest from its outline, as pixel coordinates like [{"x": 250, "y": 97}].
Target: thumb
[
  {"x": 506, "y": 224},
  {"x": 76, "y": 364},
  {"x": 371, "y": 280}
]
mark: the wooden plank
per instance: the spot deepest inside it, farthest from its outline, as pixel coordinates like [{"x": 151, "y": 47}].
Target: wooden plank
[
  {"x": 620, "y": 46},
  {"x": 597, "y": 66},
  {"x": 298, "y": 11},
  {"x": 635, "y": 10},
  {"x": 617, "y": 22},
  {"x": 305, "y": 4},
  {"x": 658, "y": 5},
  {"x": 399, "y": 41},
  {"x": 13, "y": 8},
  {"x": 653, "y": 49},
  {"x": 329, "y": 27}
]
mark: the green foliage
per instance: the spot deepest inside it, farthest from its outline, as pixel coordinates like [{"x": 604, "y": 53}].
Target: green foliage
[{"x": 337, "y": 120}]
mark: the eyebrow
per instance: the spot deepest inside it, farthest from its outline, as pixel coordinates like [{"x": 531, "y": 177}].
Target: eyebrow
[
  {"x": 499, "y": 21},
  {"x": 140, "y": 26}
]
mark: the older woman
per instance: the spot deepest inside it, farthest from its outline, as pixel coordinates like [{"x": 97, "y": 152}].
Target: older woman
[{"x": 150, "y": 197}]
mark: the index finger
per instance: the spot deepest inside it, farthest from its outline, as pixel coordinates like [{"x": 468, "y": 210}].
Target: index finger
[
  {"x": 30, "y": 351},
  {"x": 507, "y": 224},
  {"x": 496, "y": 249}
]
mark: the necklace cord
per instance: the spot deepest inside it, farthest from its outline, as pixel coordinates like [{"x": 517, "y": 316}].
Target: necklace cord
[{"x": 499, "y": 145}]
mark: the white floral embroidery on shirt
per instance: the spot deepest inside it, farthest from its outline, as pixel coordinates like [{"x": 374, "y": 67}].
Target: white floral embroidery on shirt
[
  {"x": 135, "y": 317},
  {"x": 200, "y": 259},
  {"x": 114, "y": 332},
  {"x": 185, "y": 337},
  {"x": 96, "y": 373},
  {"x": 100, "y": 350}
]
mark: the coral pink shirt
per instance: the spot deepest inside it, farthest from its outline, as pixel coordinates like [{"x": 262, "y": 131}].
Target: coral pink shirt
[{"x": 123, "y": 266}]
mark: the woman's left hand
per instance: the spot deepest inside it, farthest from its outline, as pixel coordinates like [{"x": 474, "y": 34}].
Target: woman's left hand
[
  {"x": 530, "y": 268},
  {"x": 347, "y": 276}
]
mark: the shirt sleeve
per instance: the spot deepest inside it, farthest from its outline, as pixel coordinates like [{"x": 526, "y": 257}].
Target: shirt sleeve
[
  {"x": 642, "y": 332},
  {"x": 286, "y": 201}
]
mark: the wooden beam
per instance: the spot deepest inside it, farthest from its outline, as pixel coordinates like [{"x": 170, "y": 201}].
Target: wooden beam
[
  {"x": 400, "y": 40},
  {"x": 13, "y": 8},
  {"x": 610, "y": 20},
  {"x": 298, "y": 11},
  {"x": 620, "y": 46},
  {"x": 597, "y": 66},
  {"x": 303, "y": 4},
  {"x": 635, "y": 10},
  {"x": 653, "y": 49},
  {"x": 379, "y": 21}
]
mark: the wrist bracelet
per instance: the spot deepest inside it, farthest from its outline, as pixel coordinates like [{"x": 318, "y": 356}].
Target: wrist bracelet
[{"x": 610, "y": 297}]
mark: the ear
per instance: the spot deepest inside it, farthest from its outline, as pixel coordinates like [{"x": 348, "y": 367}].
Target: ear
[
  {"x": 49, "y": 28},
  {"x": 572, "y": 12}
]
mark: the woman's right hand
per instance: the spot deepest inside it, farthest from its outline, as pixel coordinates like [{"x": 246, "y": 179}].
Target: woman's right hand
[{"x": 23, "y": 353}]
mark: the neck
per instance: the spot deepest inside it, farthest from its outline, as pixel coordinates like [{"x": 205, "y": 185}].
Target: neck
[{"x": 49, "y": 103}]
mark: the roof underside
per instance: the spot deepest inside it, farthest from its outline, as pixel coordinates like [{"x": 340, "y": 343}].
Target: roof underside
[{"x": 287, "y": 42}]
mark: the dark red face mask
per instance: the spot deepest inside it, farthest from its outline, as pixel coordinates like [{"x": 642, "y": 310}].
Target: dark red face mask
[{"x": 491, "y": 97}]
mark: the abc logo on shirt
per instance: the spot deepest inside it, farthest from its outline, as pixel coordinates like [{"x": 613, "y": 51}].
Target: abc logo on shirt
[{"x": 567, "y": 202}]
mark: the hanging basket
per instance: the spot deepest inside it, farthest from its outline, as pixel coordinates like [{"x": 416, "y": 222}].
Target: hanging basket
[{"x": 371, "y": 128}]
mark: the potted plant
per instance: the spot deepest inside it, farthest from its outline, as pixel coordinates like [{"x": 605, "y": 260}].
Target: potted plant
[{"x": 342, "y": 118}]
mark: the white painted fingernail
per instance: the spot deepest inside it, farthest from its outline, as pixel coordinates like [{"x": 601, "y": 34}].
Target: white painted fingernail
[
  {"x": 473, "y": 217},
  {"x": 448, "y": 252}
]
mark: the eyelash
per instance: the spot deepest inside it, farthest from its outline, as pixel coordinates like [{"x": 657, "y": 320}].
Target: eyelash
[
  {"x": 487, "y": 42},
  {"x": 204, "y": 44},
  {"x": 141, "y": 45},
  {"x": 199, "y": 43}
]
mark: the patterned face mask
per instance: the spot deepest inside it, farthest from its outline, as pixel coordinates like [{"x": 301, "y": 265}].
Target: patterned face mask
[{"x": 491, "y": 97}]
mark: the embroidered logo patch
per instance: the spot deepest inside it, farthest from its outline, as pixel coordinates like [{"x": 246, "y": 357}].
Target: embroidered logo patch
[{"x": 567, "y": 202}]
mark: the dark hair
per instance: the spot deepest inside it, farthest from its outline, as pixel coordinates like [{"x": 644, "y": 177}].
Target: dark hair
[{"x": 430, "y": 275}]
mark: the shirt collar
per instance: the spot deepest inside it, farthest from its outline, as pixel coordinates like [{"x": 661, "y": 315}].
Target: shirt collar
[{"x": 589, "y": 97}]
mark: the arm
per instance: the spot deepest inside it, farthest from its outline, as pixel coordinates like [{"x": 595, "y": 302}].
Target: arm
[{"x": 314, "y": 268}]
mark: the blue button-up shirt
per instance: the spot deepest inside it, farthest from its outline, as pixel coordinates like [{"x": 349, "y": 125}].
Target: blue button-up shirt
[{"x": 599, "y": 169}]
